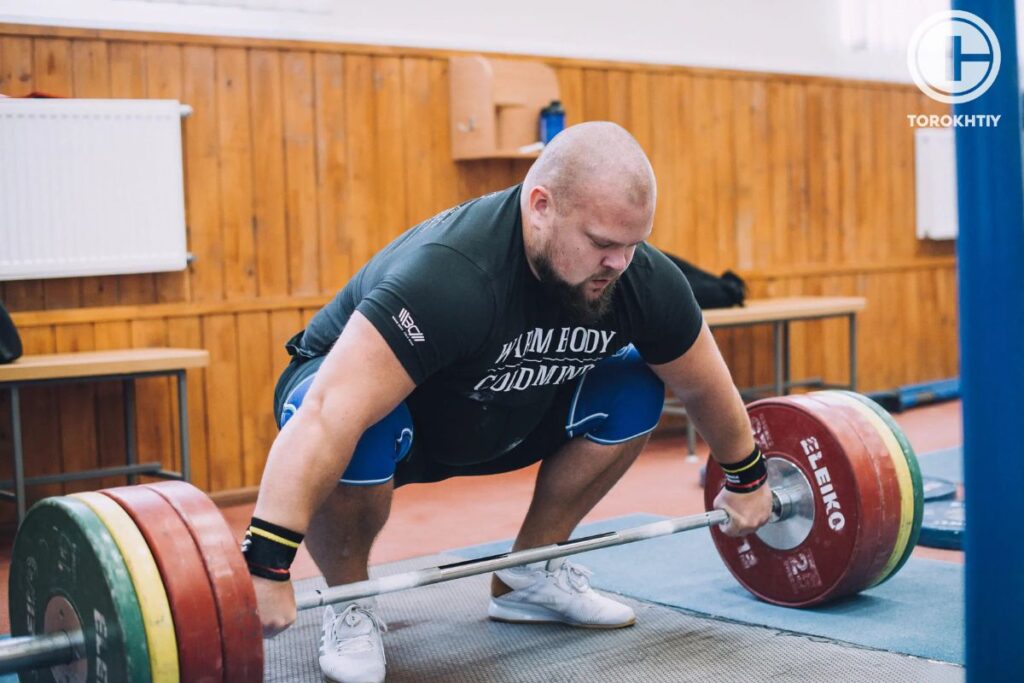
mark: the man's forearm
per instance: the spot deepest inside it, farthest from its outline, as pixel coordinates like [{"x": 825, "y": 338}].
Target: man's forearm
[
  {"x": 720, "y": 417},
  {"x": 303, "y": 467}
]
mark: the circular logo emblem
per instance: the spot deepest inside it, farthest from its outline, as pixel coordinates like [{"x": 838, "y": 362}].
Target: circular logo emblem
[{"x": 954, "y": 56}]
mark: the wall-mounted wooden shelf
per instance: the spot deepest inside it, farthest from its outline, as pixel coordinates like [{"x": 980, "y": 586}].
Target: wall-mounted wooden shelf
[{"x": 495, "y": 104}]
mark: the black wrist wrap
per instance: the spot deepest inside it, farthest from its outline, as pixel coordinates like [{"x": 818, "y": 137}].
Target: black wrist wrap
[
  {"x": 746, "y": 475},
  {"x": 270, "y": 549}
]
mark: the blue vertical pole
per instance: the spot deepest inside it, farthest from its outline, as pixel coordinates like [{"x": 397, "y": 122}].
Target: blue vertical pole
[{"x": 990, "y": 250}]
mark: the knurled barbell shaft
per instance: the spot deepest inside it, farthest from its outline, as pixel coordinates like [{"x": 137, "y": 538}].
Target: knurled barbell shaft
[
  {"x": 35, "y": 652},
  {"x": 458, "y": 570},
  {"x": 781, "y": 505}
]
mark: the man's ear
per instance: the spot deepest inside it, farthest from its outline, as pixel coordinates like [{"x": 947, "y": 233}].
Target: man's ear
[{"x": 542, "y": 209}]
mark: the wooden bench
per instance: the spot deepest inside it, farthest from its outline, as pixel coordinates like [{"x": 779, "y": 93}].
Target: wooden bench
[
  {"x": 90, "y": 366},
  {"x": 779, "y": 313}
]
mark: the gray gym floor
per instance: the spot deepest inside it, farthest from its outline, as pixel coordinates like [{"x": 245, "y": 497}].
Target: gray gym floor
[{"x": 441, "y": 633}]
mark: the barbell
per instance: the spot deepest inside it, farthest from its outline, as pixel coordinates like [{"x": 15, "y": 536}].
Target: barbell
[{"x": 147, "y": 583}]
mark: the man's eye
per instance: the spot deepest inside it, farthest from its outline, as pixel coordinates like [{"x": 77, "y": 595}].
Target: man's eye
[{"x": 601, "y": 245}]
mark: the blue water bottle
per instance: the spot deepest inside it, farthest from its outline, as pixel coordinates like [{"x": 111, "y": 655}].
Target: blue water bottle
[{"x": 552, "y": 121}]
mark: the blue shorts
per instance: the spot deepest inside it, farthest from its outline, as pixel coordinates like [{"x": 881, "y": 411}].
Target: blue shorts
[{"x": 619, "y": 400}]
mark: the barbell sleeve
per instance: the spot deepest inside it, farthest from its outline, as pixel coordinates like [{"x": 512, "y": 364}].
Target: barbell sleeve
[{"x": 35, "y": 652}]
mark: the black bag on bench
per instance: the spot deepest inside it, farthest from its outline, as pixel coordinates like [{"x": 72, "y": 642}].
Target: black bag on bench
[
  {"x": 710, "y": 291},
  {"x": 10, "y": 342}
]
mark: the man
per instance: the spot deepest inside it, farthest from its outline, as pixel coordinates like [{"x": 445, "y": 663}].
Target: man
[{"x": 531, "y": 324}]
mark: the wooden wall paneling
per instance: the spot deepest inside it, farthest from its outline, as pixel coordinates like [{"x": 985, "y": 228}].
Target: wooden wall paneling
[
  {"x": 445, "y": 178},
  {"x": 815, "y": 178},
  {"x": 128, "y": 71},
  {"x": 665, "y": 124},
  {"x": 224, "y": 433},
  {"x": 619, "y": 96},
  {"x": 202, "y": 178},
  {"x": 698, "y": 222},
  {"x": 595, "y": 94},
  {"x": 154, "y": 398},
  {"x": 948, "y": 312},
  {"x": 110, "y": 436},
  {"x": 745, "y": 152},
  {"x": 268, "y": 173},
  {"x": 300, "y": 173},
  {"x": 90, "y": 62},
  {"x": 899, "y": 172},
  {"x": 77, "y": 406},
  {"x": 639, "y": 114},
  {"x": 762, "y": 335},
  {"x": 800, "y": 233},
  {"x": 724, "y": 136},
  {"x": 570, "y": 89},
  {"x": 515, "y": 172},
  {"x": 872, "y": 361},
  {"x": 163, "y": 63},
  {"x": 390, "y": 168},
  {"x": 870, "y": 216},
  {"x": 831, "y": 170},
  {"x": 686, "y": 222},
  {"x": 779, "y": 134},
  {"x": 360, "y": 212},
  {"x": 760, "y": 152},
  {"x": 478, "y": 177},
  {"x": 187, "y": 332},
  {"x": 257, "y": 388},
  {"x": 744, "y": 173},
  {"x": 849, "y": 174},
  {"x": 335, "y": 235},
  {"x": 885, "y": 228},
  {"x": 916, "y": 329},
  {"x": 927, "y": 351},
  {"x": 17, "y": 70},
  {"x": 418, "y": 129},
  {"x": 283, "y": 324},
  {"x": 234, "y": 137}
]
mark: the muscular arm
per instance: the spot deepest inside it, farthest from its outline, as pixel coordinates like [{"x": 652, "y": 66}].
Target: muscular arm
[
  {"x": 359, "y": 383},
  {"x": 702, "y": 382}
]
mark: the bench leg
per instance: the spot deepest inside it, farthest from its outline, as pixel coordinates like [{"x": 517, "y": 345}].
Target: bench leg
[
  {"x": 131, "y": 456},
  {"x": 779, "y": 333},
  {"x": 186, "y": 466},
  {"x": 17, "y": 460},
  {"x": 852, "y": 326}
]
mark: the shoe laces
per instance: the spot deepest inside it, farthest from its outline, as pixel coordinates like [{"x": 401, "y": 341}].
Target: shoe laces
[
  {"x": 574, "y": 577},
  {"x": 354, "y": 616}
]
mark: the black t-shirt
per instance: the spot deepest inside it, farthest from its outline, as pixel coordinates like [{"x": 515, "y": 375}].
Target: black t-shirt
[{"x": 485, "y": 343}]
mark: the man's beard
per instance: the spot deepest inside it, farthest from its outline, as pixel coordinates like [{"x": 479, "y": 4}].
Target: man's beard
[{"x": 573, "y": 298}]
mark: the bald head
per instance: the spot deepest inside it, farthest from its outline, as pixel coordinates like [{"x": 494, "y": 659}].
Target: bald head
[{"x": 598, "y": 159}]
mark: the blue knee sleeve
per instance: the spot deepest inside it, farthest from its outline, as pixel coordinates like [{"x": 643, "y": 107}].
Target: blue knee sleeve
[
  {"x": 380, "y": 448},
  {"x": 620, "y": 399}
]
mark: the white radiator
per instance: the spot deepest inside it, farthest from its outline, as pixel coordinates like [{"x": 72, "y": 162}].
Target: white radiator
[{"x": 90, "y": 187}]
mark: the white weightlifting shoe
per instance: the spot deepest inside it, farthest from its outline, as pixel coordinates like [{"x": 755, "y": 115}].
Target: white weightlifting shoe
[
  {"x": 351, "y": 650},
  {"x": 557, "y": 592}
]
